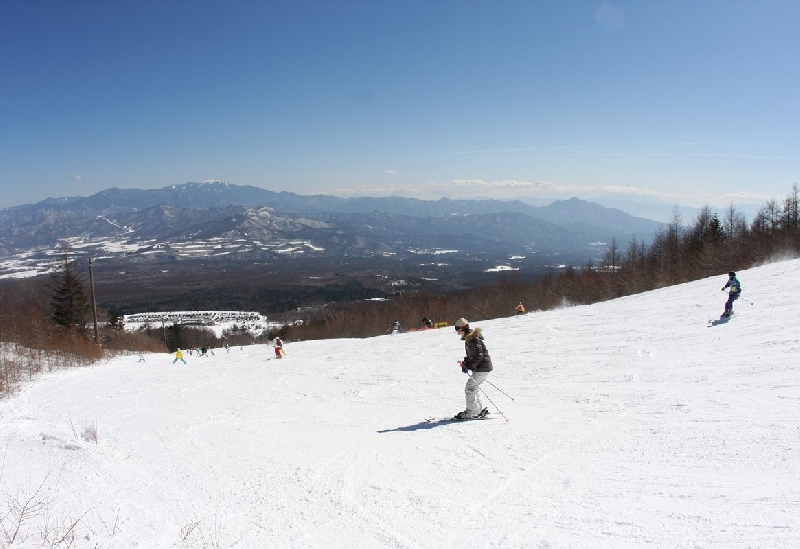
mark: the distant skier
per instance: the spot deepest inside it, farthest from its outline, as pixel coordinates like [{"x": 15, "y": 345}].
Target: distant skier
[
  {"x": 278, "y": 348},
  {"x": 395, "y": 328},
  {"x": 479, "y": 362},
  {"x": 733, "y": 293},
  {"x": 179, "y": 356},
  {"x": 520, "y": 308},
  {"x": 426, "y": 322}
]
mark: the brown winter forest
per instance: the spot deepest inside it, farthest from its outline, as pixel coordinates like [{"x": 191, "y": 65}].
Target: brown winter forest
[{"x": 44, "y": 325}]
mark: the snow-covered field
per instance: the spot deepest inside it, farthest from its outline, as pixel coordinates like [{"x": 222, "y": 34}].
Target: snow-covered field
[{"x": 633, "y": 424}]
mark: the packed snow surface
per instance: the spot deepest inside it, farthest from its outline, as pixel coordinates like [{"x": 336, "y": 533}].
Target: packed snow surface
[{"x": 633, "y": 424}]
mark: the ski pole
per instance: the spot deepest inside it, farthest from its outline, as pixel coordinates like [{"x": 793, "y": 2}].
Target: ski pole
[
  {"x": 499, "y": 389},
  {"x": 461, "y": 364},
  {"x": 484, "y": 392},
  {"x": 492, "y": 403}
]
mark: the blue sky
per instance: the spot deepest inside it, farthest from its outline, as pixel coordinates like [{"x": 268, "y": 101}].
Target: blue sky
[{"x": 687, "y": 102}]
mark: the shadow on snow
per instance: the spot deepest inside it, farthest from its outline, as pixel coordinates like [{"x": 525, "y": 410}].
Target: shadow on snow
[{"x": 428, "y": 424}]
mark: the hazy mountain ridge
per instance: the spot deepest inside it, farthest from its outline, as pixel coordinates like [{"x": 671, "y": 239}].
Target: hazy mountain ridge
[{"x": 248, "y": 222}]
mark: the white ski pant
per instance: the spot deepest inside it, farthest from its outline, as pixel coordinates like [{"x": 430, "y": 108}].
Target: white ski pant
[{"x": 472, "y": 392}]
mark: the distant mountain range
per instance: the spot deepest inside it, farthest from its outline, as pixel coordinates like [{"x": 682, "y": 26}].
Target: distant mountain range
[{"x": 245, "y": 222}]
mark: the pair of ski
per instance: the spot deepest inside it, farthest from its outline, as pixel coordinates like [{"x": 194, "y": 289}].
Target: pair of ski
[
  {"x": 721, "y": 320},
  {"x": 484, "y": 414}
]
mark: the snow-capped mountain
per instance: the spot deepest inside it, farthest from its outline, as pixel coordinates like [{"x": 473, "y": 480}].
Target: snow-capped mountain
[{"x": 251, "y": 223}]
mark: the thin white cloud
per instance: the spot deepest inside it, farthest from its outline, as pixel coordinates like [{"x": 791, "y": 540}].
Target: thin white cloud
[
  {"x": 78, "y": 178},
  {"x": 547, "y": 190},
  {"x": 513, "y": 150},
  {"x": 700, "y": 155},
  {"x": 577, "y": 151},
  {"x": 494, "y": 151},
  {"x": 505, "y": 184},
  {"x": 389, "y": 172}
]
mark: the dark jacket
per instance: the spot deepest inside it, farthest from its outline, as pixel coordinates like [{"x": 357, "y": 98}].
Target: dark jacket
[
  {"x": 733, "y": 284},
  {"x": 477, "y": 359}
]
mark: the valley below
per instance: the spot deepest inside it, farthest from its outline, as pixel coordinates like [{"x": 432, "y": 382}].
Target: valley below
[{"x": 286, "y": 284}]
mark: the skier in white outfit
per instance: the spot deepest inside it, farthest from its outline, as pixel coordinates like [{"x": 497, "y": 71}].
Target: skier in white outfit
[{"x": 479, "y": 362}]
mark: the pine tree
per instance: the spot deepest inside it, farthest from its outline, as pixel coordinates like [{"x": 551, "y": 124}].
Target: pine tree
[
  {"x": 69, "y": 301},
  {"x": 716, "y": 232}
]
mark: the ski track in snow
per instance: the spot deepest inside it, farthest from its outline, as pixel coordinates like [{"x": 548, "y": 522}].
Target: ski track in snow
[{"x": 633, "y": 425}]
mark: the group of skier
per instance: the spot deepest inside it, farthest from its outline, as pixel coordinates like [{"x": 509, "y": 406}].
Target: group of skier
[
  {"x": 179, "y": 355},
  {"x": 477, "y": 362}
]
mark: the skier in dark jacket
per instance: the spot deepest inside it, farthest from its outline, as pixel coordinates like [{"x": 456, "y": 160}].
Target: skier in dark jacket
[
  {"x": 733, "y": 294},
  {"x": 479, "y": 362}
]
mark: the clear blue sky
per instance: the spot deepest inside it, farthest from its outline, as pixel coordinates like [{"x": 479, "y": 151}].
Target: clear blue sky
[{"x": 691, "y": 101}]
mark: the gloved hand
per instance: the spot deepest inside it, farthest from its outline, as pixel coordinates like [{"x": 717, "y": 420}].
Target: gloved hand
[{"x": 463, "y": 368}]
